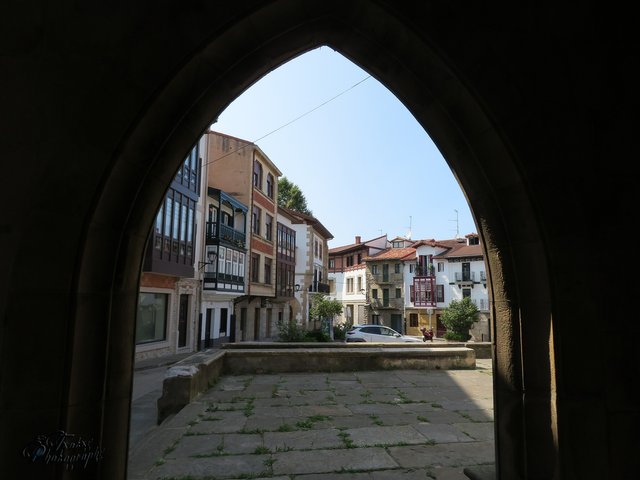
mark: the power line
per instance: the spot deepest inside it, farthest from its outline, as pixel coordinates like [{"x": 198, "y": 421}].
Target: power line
[{"x": 291, "y": 121}]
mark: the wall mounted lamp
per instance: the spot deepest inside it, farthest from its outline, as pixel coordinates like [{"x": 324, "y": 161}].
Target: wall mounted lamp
[{"x": 211, "y": 256}]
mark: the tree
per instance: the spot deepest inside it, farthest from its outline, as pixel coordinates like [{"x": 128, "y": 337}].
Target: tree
[
  {"x": 290, "y": 196},
  {"x": 458, "y": 317},
  {"x": 324, "y": 309}
]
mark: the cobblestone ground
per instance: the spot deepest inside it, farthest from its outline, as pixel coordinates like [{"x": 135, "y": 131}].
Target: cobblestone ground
[{"x": 373, "y": 425}]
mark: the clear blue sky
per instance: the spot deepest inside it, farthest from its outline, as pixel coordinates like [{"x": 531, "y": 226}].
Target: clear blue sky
[{"x": 364, "y": 164}]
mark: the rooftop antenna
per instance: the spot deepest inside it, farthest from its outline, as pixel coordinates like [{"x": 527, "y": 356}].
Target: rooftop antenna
[
  {"x": 456, "y": 220},
  {"x": 409, "y": 232}
]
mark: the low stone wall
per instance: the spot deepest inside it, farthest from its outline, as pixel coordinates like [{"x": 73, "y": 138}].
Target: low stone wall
[
  {"x": 187, "y": 379},
  {"x": 196, "y": 374},
  {"x": 483, "y": 349},
  {"x": 238, "y": 362}
]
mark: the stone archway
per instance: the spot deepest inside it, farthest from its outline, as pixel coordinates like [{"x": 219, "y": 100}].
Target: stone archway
[
  {"x": 431, "y": 91},
  {"x": 107, "y": 99}
]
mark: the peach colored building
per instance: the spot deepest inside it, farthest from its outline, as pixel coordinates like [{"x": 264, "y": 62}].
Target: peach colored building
[{"x": 243, "y": 170}]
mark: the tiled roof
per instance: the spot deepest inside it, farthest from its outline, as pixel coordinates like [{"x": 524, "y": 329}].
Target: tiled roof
[
  {"x": 393, "y": 254},
  {"x": 450, "y": 243},
  {"x": 463, "y": 250}
]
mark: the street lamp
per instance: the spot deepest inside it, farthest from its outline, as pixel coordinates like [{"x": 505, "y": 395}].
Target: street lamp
[{"x": 211, "y": 256}]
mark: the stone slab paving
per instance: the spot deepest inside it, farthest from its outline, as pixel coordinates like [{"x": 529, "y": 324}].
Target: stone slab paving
[{"x": 380, "y": 425}]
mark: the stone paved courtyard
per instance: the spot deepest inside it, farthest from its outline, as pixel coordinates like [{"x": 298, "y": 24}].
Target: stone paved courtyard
[{"x": 372, "y": 425}]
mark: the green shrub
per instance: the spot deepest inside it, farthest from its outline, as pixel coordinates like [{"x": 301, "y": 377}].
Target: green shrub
[
  {"x": 316, "y": 336},
  {"x": 458, "y": 317},
  {"x": 457, "y": 337},
  {"x": 290, "y": 332}
]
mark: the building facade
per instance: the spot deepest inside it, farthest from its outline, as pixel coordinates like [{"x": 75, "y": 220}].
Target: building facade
[
  {"x": 385, "y": 292},
  {"x": 347, "y": 277},
  {"x": 312, "y": 263},
  {"x": 223, "y": 268},
  {"x": 244, "y": 171},
  {"x": 443, "y": 271},
  {"x": 168, "y": 298}
]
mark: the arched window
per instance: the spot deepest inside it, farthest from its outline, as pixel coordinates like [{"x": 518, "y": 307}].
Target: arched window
[
  {"x": 270, "y": 189},
  {"x": 257, "y": 174}
]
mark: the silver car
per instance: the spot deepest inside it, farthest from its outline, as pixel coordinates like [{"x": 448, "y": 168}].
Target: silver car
[{"x": 377, "y": 334}]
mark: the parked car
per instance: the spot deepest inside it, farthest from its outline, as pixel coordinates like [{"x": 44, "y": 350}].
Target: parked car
[{"x": 377, "y": 333}]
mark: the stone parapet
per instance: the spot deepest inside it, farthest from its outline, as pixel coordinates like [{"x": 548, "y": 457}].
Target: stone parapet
[{"x": 196, "y": 374}]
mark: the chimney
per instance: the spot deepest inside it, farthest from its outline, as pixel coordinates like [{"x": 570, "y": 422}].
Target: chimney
[{"x": 357, "y": 238}]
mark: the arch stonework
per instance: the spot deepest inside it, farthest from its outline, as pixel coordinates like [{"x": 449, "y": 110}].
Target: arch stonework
[{"x": 101, "y": 104}]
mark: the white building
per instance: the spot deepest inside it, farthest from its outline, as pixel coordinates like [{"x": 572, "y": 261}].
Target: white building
[
  {"x": 446, "y": 270},
  {"x": 348, "y": 279},
  {"x": 312, "y": 259}
]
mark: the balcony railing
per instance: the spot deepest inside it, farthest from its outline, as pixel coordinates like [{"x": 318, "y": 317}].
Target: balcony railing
[
  {"x": 395, "y": 303},
  {"x": 466, "y": 277},
  {"x": 389, "y": 278},
  {"x": 424, "y": 271},
  {"x": 225, "y": 234},
  {"x": 318, "y": 287}
]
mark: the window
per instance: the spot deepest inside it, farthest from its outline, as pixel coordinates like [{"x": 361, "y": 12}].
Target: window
[
  {"x": 158, "y": 232},
  {"x": 256, "y": 216},
  {"x": 332, "y": 263},
  {"x": 151, "y": 321},
  {"x": 235, "y": 263},
  {"x": 412, "y": 293},
  {"x": 350, "y": 261},
  {"x": 228, "y": 268},
  {"x": 349, "y": 313},
  {"x": 267, "y": 271},
  {"x": 398, "y": 293},
  {"x": 359, "y": 284},
  {"x": 397, "y": 244},
  {"x": 466, "y": 292},
  {"x": 396, "y": 268},
  {"x": 221, "y": 259},
  {"x": 441, "y": 266},
  {"x": 359, "y": 258},
  {"x": 385, "y": 297},
  {"x": 466, "y": 271},
  {"x": 222, "y": 328},
  {"x": 257, "y": 174},
  {"x": 270, "y": 188},
  {"x": 374, "y": 293},
  {"x": 268, "y": 227},
  {"x": 167, "y": 217},
  {"x": 439, "y": 293},
  {"x": 255, "y": 267},
  {"x": 411, "y": 267},
  {"x": 374, "y": 269},
  {"x": 349, "y": 285},
  {"x": 413, "y": 319},
  {"x": 241, "y": 264},
  {"x": 375, "y": 319}
]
